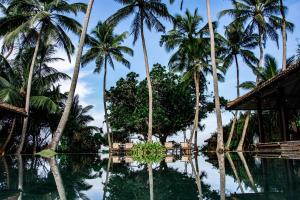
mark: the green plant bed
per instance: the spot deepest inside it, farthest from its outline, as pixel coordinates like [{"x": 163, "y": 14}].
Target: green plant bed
[{"x": 149, "y": 152}]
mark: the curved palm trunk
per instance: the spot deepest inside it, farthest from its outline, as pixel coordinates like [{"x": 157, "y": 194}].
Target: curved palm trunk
[
  {"x": 221, "y": 162},
  {"x": 283, "y": 36},
  {"x": 241, "y": 155},
  {"x": 234, "y": 171},
  {"x": 104, "y": 103},
  {"x": 241, "y": 143},
  {"x": 150, "y": 174},
  {"x": 64, "y": 118},
  {"x": 12, "y": 129},
  {"x": 57, "y": 178},
  {"x": 28, "y": 94},
  {"x": 196, "y": 119},
  {"x": 148, "y": 83},
  {"x": 220, "y": 145},
  {"x": 20, "y": 176},
  {"x": 236, "y": 112}
]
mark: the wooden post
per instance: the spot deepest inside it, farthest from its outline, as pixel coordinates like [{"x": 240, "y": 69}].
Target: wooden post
[
  {"x": 284, "y": 123},
  {"x": 282, "y": 115},
  {"x": 262, "y": 137}
]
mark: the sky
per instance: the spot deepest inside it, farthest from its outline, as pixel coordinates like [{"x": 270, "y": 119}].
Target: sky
[{"x": 89, "y": 85}]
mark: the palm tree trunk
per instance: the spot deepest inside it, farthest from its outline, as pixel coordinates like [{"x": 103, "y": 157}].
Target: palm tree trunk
[
  {"x": 220, "y": 145},
  {"x": 104, "y": 102},
  {"x": 234, "y": 171},
  {"x": 57, "y": 178},
  {"x": 150, "y": 173},
  {"x": 236, "y": 112},
  {"x": 28, "y": 94},
  {"x": 237, "y": 76},
  {"x": 64, "y": 118},
  {"x": 241, "y": 143},
  {"x": 12, "y": 129},
  {"x": 283, "y": 36},
  {"x": 261, "y": 54},
  {"x": 148, "y": 82},
  {"x": 196, "y": 119}
]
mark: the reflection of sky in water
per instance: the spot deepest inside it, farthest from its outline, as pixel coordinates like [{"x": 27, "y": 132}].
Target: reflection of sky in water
[
  {"x": 76, "y": 169},
  {"x": 212, "y": 178}
]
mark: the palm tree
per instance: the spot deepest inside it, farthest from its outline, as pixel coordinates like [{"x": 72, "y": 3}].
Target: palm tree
[
  {"x": 258, "y": 16},
  {"x": 145, "y": 12},
  {"x": 43, "y": 19},
  {"x": 238, "y": 43},
  {"x": 284, "y": 27},
  {"x": 105, "y": 47},
  {"x": 64, "y": 118},
  {"x": 269, "y": 70},
  {"x": 220, "y": 143},
  {"x": 13, "y": 81},
  {"x": 191, "y": 57}
]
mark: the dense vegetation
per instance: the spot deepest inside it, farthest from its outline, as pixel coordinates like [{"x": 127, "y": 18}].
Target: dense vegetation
[{"x": 173, "y": 100}]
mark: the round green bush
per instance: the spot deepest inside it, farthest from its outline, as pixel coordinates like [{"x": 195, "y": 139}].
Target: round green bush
[{"x": 148, "y": 152}]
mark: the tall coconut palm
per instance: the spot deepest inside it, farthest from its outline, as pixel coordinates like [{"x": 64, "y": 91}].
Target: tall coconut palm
[
  {"x": 192, "y": 42},
  {"x": 64, "y": 118},
  {"x": 42, "y": 19},
  {"x": 285, "y": 26},
  {"x": 104, "y": 48},
  {"x": 258, "y": 16},
  {"x": 220, "y": 143},
  {"x": 146, "y": 12},
  {"x": 238, "y": 43}
]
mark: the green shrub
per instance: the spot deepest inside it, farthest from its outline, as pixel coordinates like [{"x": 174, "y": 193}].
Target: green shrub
[{"x": 149, "y": 152}]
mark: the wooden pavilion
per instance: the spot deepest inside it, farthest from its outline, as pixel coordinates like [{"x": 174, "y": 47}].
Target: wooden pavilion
[{"x": 280, "y": 93}]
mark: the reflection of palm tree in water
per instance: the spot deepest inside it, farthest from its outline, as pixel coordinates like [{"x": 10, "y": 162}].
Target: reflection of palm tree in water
[
  {"x": 6, "y": 172},
  {"x": 150, "y": 173},
  {"x": 107, "y": 178},
  {"x": 234, "y": 171},
  {"x": 57, "y": 177},
  {"x": 241, "y": 155},
  {"x": 221, "y": 162},
  {"x": 196, "y": 172},
  {"x": 20, "y": 176}
]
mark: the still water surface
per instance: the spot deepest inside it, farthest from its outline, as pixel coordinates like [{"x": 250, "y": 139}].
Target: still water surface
[{"x": 208, "y": 176}]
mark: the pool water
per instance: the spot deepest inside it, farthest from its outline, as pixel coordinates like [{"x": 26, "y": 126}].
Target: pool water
[{"x": 96, "y": 176}]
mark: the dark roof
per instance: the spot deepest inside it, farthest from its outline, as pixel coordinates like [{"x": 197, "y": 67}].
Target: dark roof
[
  {"x": 285, "y": 85},
  {"x": 12, "y": 109}
]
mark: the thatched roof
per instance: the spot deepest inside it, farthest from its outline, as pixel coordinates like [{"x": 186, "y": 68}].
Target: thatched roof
[
  {"x": 285, "y": 85},
  {"x": 12, "y": 109}
]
